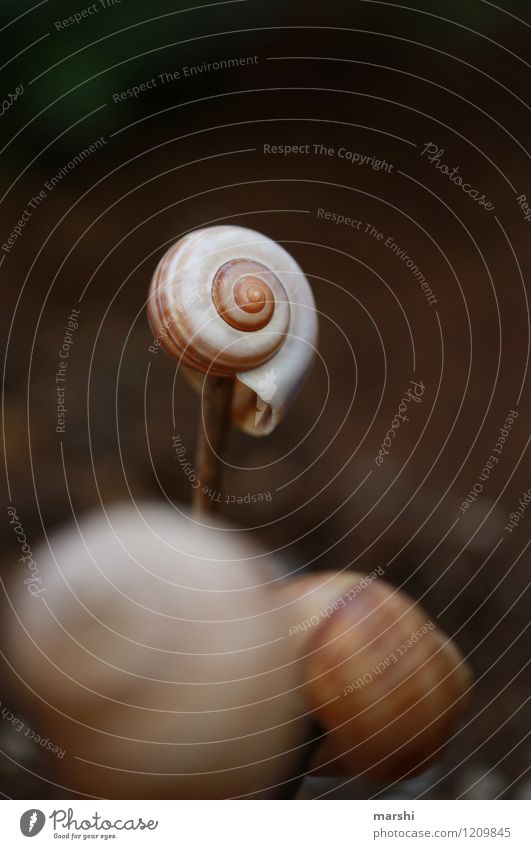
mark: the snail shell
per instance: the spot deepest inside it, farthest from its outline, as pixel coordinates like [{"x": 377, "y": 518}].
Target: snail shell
[
  {"x": 229, "y": 301},
  {"x": 153, "y": 659},
  {"x": 158, "y": 657},
  {"x": 385, "y": 683}
]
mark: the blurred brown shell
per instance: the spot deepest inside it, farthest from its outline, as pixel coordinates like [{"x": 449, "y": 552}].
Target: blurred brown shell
[{"x": 385, "y": 683}]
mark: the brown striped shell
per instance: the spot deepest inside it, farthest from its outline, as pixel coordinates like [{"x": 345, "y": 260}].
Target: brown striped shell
[
  {"x": 385, "y": 683},
  {"x": 229, "y": 301}
]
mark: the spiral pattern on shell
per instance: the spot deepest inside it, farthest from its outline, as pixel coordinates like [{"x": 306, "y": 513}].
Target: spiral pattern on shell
[
  {"x": 227, "y": 301},
  {"x": 243, "y": 297}
]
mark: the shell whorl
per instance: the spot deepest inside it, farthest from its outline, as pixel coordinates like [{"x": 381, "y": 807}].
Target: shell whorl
[
  {"x": 245, "y": 294},
  {"x": 227, "y": 301}
]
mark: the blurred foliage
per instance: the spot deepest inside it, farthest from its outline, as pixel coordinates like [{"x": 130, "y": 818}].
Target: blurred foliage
[{"x": 79, "y": 67}]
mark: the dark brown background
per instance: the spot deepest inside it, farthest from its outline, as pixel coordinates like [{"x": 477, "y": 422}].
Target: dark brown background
[{"x": 410, "y": 76}]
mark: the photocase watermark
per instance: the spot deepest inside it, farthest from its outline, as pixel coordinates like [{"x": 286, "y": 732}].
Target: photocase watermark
[
  {"x": 33, "y": 204},
  {"x": 434, "y": 155},
  {"x": 328, "y": 609},
  {"x": 32, "y": 822},
  {"x": 34, "y": 581},
  {"x": 214, "y": 494},
  {"x": 65, "y": 820},
  {"x": 491, "y": 463},
  {"x": 354, "y": 157},
  {"x": 49, "y": 185},
  {"x": 401, "y": 254},
  {"x": 167, "y": 324},
  {"x": 10, "y": 99},
  {"x": 516, "y": 515},
  {"x": 78, "y": 159},
  {"x": 413, "y": 394},
  {"x": 97, "y": 826},
  {"x": 365, "y": 227},
  {"x": 525, "y": 208},
  {"x": 338, "y": 218},
  {"x": 71, "y": 326},
  {"x": 390, "y": 660},
  {"x": 165, "y": 330},
  {"x": 44, "y": 742},
  {"x": 87, "y": 12},
  {"x": 182, "y": 73}
]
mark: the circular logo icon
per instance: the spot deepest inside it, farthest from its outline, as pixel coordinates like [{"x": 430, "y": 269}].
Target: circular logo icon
[{"x": 31, "y": 822}]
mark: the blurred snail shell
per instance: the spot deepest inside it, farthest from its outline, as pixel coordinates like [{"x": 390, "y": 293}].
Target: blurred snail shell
[
  {"x": 162, "y": 659},
  {"x": 230, "y": 301},
  {"x": 385, "y": 683},
  {"x": 152, "y": 659}
]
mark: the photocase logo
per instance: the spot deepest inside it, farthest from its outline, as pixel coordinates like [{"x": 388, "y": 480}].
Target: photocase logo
[
  {"x": 267, "y": 388},
  {"x": 31, "y": 822}
]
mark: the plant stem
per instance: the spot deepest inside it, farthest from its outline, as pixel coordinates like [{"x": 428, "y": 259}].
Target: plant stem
[{"x": 212, "y": 432}]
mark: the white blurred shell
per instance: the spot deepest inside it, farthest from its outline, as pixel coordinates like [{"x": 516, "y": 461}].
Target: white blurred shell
[
  {"x": 155, "y": 656},
  {"x": 269, "y": 363}
]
